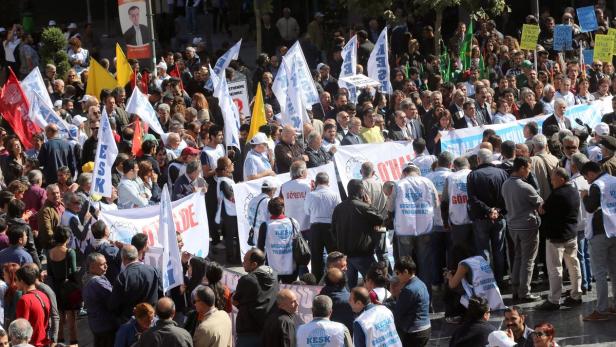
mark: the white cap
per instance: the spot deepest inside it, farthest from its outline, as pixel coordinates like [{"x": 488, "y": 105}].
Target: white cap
[
  {"x": 2, "y": 29},
  {"x": 197, "y": 40},
  {"x": 52, "y": 23},
  {"x": 72, "y": 25},
  {"x": 85, "y": 98},
  {"x": 319, "y": 14},
  {"x": 269, "y": 183},
  {"x": 320, "y": 66},
  {"x": 57, "y": 104},
  {"x": 602, "y": 129},
  {"x": 258, "y": 139},
  {"x": 162, "y": 65},
  {"x": 78, "y": 120},
  {"x": 499, "y": 338}
]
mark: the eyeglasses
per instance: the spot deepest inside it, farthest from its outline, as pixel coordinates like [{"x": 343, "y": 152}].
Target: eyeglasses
[
  {"x": 540, "y": 333},
  {"x": 570, "y": 147}
]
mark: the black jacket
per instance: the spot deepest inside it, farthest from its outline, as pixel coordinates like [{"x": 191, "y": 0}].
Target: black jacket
[
  {"x": 88, "y": 153},
  {"x": 350, "y": 139},
  {"x": 471, "y": 334},
  {"x": 165, "y": 333},
  {"x": 279, "y": 330},
  {"x": 256, "y": 295},
  {"x": 484, "y": 190},
  {"x": 551, "y": 120},
  {"x": 136, "y": 284},
  {"x": 353, "y": 223},
  {"x": 561, "y": 214},
  {"x": 592, "y": 203},
  {"x": 318, "y": 157}
]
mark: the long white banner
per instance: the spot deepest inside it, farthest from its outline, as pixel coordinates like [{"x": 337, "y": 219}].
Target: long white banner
[
  {"x": 460, "y": 141},
  {"x": 388, "y": 158},
  {"x": 245, "y": 191},
  {"x": 189, "y": 216}
]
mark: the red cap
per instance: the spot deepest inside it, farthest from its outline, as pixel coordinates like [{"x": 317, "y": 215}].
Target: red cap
[{"x": 190, "y": 151}]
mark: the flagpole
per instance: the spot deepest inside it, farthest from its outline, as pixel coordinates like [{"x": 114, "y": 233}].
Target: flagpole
[
  {"x": 151, "y": 20},
  {"x": 536, "y": 64}
]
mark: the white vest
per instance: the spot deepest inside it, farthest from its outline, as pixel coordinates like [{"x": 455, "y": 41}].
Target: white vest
[
  {"x": 607, "y": 186},
  {"x": 439, "y": 177},
  {"x": 229, "y": 205},
  {"x": 213, "y": 154},
  {"x": 458, "y": 197},
  {"x": 379, "y": 327},
  {"x": 424, "y": 162},
  {"x": 279, "y": 245},
  {"x": 294, "y": 193},
  {"x": 75, "y": 243},
  {"x": 484, "y": 284},
  {"x": 415, "y": 201},
  {"x": 262, "y": 215},
  {"x": 321, "y": 333}
]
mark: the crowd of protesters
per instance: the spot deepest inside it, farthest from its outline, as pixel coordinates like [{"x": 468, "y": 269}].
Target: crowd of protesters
[{"x": 493, "y": 219}]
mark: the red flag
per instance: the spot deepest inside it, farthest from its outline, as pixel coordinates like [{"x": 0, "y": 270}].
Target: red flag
[
  {"x": 14, "y": 108},
  {"x": 145, "y": 82},
  {"x": 176, "y": 73},
  {"x": 137, "y": 138},
  {"x": 133, "y": 80}
]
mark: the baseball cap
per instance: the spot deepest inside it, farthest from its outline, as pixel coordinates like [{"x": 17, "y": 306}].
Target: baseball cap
[
  {"x": 85, "y": 98},
  {"x": 162, "y": 65},
  {"x": 602, "y": 129},
  {"x": 57, "y": 104},
  {"x": 190, "y": 151},
  {"x": 52, "y": 23},
  {"x": 321, "y": 65},
  {"x": 88, "y": 167},
  {"x": 72, "y": 26},
  {"x": 527, "y": 64},
  {"x": 258, "y": 139},
  {"x": 2, "y": 29},
  {"x": 197, "y": 40},
  {"x": 78, "y": 120},
  {"x": 499, "y": 338},
  {"x": 608, "y": 142},
  {"x": 269, "y": 183}
]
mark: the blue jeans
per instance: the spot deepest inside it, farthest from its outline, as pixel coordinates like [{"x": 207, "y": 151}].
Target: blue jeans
[
  {"x": 584, "y": 258},
  {"x": 489, "y": 240},
  {"x": 418, "y": 248},
  {"x": 357, "y": 265}
]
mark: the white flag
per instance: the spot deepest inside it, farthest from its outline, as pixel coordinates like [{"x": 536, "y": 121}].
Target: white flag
[
  {"x": 349, "y": 67},
  {"x": 140, "y": 105},
  {"x": 223, "y": 62},
  {"x": 280, "y": 85},
  {"x": 171, "y": 265},
  {"x": 34, "y": 83},
  {"x": 230, "y": 114},
  {"x": 42, "y": 115},
  {"x": 106, "y": 153},
  {"x": 212, "y": 83},
  {"x": 294, "y": 109},
  {"x": 308, "y": 91},
  {"x": 378, "y": 63}
]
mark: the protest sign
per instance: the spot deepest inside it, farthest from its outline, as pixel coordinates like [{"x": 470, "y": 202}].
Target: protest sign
[
  {"x": 603, "y": 48},
  {"x": 245, "y": 191},
  {"x": 360, "y": 81},
  {"x": 587, "y": 19},
  {"x": 611, "y": 32},
  {"x": 388, "y": 158},
  {"x": 530, "y": 34},
  {"x": 562, "y": 37},
  {"x": 133, "y": 15},
  {"x": 189, "y": 216},
  {"x": 588, "y": 55},
  {"x": 239, "y": 94}
]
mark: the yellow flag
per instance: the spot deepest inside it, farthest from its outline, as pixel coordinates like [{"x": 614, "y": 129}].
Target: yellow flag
[
  {"x": 99, "y": 79},
  {"x": 258, "y": 114},
  {"x": 123, "y": 69}
]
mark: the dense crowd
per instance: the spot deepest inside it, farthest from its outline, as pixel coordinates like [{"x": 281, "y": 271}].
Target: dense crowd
[{"x": 463, "y": 230}]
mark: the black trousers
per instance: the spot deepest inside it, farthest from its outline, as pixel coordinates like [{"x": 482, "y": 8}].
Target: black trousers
[
  {"x": 418, "y": 339},
  {"x": 320, "y": 237},
  {"x": 104, "y": 339}
]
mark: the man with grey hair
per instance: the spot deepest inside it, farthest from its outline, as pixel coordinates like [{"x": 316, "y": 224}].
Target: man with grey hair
[
  {"x": 188, "y": 183},
  {"x": 319, "y": 206},
  {"x": 547, "y": 99},
  {"x": 413, "y": 123},
  {"x": 20, "y": 332},
  {"x": 486, "y": 211},
  {"x": 164, "y": 114},
  {"x": 557, "y": 118},
  {"x": 48, "y": 217},
  {"x": 542, "y": 164},
  {"x": 317, "y": 155},
  {"x": 35, "y": 196},
  {"x": 579, "y": 182},
  {"x": 570, "y": 146},
  {"x": 294, "y": 193},
  {"x": 136, "y": 284},
  {"x": 322, "y": 331},
  {"x": 95, "y": 293}
]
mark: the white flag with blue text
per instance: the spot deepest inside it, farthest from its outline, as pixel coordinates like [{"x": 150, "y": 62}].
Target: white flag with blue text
[
  {"x": 106, "y": 153},
  {"x": 223, "y": 62},
  {"x": 300, "y": 68},
  {"x": 34, "y": 83},
  {"x": 171, "y": 265},
  {"x": 230, "y": 114},
  {"x": 212, "y": 82},
  {"x": 294, "y": 109},
  {"x": 280, "y": 85},
  {"x": 140, "y": 105},
  {"x": 349, "y": 67},
  {"x": 378, "y": 63},
  {"x": 42, "y": 115}
]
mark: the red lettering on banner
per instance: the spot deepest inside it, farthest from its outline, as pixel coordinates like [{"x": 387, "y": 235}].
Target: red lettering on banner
[
  {"x": 149, "y": 230},
  {"x": 395, "y": 168},
  {"x": 383, "y": 174}
]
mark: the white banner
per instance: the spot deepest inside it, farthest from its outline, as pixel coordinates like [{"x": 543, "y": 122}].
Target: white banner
[
  {"x": 388, "y": 159},
  {"x": 189, "y": 216},
  {"x": 245, "y": 191},
  {"x": 140, "y": 105},
  {"x": 460, "y": 141},
  {"x": 171, "y": 269},
  {"x": 378, "y": 63},
  {"x": 359, "y": 81},
  {"x": 239, "y": 94},
  {"x": 223, "y": 62},
  {"x": 106, "y": 153}
]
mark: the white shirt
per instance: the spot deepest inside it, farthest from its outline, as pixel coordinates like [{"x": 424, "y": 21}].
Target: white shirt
[
  {"x": 327, "y": 145},
  {"x": 568, "y": 97},
  {"x": 294, "y": 193},
  {"x": 128, "y": 194},
  {"x": 255, "y": 163},
  {"x": 9, "y": 49},
  {"x": 320, "y": 204},
  {"x": 138, "y": 38},
  {"x": 502, "y": 118}
]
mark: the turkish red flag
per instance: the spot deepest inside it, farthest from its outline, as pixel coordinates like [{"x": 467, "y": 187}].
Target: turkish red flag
[
  {"x": 14, "y": 108},
  {"x": 145, "y": 81},
  {"x": 176, "y": 73},
  {"x": 137, "y": 138}
]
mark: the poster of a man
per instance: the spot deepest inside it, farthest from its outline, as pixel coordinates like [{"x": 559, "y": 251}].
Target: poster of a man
[{"x": 138, "y": 34}]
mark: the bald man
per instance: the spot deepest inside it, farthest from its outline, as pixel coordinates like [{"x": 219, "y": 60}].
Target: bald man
[
  {"x": 54, "y": 154},
  {"x": 279, "y": 329},
  {"x": 166, "y": 332}
]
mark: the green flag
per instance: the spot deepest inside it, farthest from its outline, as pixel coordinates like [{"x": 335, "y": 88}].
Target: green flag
[
  {"x": 482, "y": 67},
  {"x": 466, "y": 47}
]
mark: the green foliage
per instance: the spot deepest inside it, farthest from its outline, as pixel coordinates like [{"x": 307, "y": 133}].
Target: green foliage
[{"x": 53, "y": 50}]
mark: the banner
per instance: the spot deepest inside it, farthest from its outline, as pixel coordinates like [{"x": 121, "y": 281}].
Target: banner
[
  {"x": 171, "y": 269},
  {"x": 239, "y": 94},
  {"x": 34, "y": 83},
  {"x": 530, "y": 34},
  {"x": 360, "y": 81},
  {"x": 562, "y": 38},
  {"x": 349, "y": 67},
  {"x": 189, "y": 216},
  {"x": 230, "y": 114},
  {"x": 245, "y": 191},
  {"x": 603, "y": 48},
  {"x": 223, "y": 62},
  {"x": 106, "y": 153},
  {"x": 587, "y": 19},
  {"x": 14, "y": 109},
  {"x": 378, "y": 63},
  {"x": 139, "y": 104},
  {"x": 135, "y": 28},
  {"x": 612, "y": 33},
  {"x": 41, "y": 114},
  {"x": 301, "y": 70},
  {"x": 305, "y": 294},
  {"x": 388, "y": 159},
  {"x": 588, "y": 55},
  {"x": 460, "y": 141}
]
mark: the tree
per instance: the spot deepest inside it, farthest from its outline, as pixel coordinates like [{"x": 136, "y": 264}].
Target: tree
[{"x": 53, "y": 50}]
